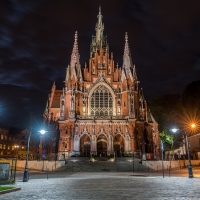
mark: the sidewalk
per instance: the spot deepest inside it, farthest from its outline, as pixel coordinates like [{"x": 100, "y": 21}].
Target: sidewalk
[{"x": 106, "y": 185}]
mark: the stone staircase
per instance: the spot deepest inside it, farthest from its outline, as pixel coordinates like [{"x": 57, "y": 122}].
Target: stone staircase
[{"x": 103, "y": 166}]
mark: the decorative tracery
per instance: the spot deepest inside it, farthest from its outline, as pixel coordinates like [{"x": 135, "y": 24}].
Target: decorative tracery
[{"x": 101, "y": 102}]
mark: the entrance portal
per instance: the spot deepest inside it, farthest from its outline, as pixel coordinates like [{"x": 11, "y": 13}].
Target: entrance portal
[
  {"x": 85, "y": 145},
  {"x": 102, "y": 146},
  {"x": 119, "y": 145}
]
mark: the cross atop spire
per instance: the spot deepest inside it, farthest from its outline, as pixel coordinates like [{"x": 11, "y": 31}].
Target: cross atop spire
[{"x": 126, "y": 48}]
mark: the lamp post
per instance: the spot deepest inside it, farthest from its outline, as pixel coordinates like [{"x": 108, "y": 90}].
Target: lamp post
[
  {"x": 162, "y": 150},
  {"x": 41, "y": 142},
  {"x": 26, "y": 175},
  {"x": 190, "y": 172}
]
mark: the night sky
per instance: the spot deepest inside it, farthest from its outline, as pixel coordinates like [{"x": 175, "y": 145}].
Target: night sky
[{"x": 36, "y": 40}]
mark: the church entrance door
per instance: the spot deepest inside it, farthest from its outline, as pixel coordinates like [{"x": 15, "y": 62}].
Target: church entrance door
[
  {"x": 119, "y": 145},
  {"x": 102, "y": 146},
  {"x": 85, "y": 145}
]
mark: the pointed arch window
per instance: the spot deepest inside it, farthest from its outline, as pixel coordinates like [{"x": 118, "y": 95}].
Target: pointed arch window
[{"x": 101, "y": 102}]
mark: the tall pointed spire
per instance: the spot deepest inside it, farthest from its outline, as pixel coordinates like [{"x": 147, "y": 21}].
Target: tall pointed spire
[
  {"x": 75, "y": 55},
  {"x": 127, "y": 61},
  {"x": 99, "y": 27},
  {"x": 126, "y": 48}
]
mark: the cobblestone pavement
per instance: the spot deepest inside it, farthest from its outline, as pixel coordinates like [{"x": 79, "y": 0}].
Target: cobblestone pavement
[{"x": 106, "y": 185}]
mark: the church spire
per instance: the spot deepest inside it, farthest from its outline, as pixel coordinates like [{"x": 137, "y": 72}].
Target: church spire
[
  {"x": 99, "y": 27},
  {"x": 127, "y": 61},
  {"x": 74, "y": 69},
  {"x": 75, "y": 55},
  {"x": 126, "y": 48}
]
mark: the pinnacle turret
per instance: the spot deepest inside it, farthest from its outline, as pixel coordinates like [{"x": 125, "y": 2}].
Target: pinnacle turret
[
  {"x": 99, "y": 41},
  {"x": 99, "y": 27},
  {"x": 75, "y": 55},
  {"x": 127, "y": 61},
  {"x": 74, "y": 69},
  {"x": 126, "y": 48}
]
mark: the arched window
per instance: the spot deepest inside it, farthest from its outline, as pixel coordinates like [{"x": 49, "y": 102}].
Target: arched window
[{"x": 101, "y": 102}]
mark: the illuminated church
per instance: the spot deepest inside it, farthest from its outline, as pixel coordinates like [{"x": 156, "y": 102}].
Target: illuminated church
[{"x": 102, "y": 110}]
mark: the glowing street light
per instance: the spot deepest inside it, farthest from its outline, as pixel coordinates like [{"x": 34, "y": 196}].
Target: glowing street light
[
  {"x": 174, "y": 130},
  {"x": 41, "y": 142},
  {"x": 42, "y": 131},
  {"x": 190, "y": 172},
  {"x": 26, "y": 176},
  {"x": 193, "y": 125}
]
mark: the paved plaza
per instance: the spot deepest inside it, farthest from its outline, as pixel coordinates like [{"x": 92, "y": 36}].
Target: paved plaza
[{"x": 105, "y": 185}]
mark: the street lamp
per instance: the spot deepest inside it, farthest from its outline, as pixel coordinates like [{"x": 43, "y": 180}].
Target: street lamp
[
  {"x": 190, "y": 172},
  {"x": 26, "y": 175},
  {"x": 174, "y": 130},
  {"x": 41, "y": 142},
  {"x": 42, "y": 131}
]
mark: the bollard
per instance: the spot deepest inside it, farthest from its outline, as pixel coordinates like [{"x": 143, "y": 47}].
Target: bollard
[
  {"x": 169, "y": 171},
  {"x": 47, "y": 173},
  {"x": 157, "y": 168}
]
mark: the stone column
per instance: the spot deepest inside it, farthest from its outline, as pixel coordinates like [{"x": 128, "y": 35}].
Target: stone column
[
  {"x": 77, "y": 144},
  {"x": 110, "y": 144},
  {"x": 93, "y": 144},
  {"x": 127, "y": 143}
]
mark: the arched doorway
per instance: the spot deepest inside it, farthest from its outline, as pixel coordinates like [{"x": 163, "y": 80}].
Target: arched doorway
[
  {"x": 85, "y": 145},
  {"x": 118, "y": 145},
  {"x": 102, "y": 146}
]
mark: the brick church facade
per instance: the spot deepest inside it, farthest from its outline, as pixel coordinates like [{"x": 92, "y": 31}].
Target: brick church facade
[{"x": 101, "y": 109}]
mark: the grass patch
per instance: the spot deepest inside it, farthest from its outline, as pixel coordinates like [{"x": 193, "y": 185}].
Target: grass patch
[{"x": 2, "y": 188}]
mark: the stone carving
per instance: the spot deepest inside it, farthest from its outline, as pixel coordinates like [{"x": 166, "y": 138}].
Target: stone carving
[
  {"x": 76, "y": 129},
  {"x": 62, "y": 109},
  {"x": 93, "y": 128},
  {"x": 76, "y": 137}
]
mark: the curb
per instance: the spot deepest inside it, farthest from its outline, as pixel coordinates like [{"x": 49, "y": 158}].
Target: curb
[{"x": 10, "y": 190}]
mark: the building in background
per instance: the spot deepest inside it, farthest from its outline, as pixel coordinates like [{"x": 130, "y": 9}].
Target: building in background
[
  {"x": 8, "y": 144},
  {"x": 194, "y": 141},
  {"x": 14, "y": 144},
  {"x": 23, "y": 145},
  {"x": 101, "y": 109}
]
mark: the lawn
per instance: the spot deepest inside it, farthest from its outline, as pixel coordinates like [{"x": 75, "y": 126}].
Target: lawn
[{"x": 5, "y": 188}]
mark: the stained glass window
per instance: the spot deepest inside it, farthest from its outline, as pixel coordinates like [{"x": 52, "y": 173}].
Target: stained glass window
[{"x": 101, "y": 102}]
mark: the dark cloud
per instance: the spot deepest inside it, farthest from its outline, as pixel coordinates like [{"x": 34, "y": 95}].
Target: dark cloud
[{"x": 36, "y": 39}]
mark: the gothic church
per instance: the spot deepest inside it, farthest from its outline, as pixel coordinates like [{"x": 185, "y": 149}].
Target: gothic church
[{"x": 102, "y": 110}]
